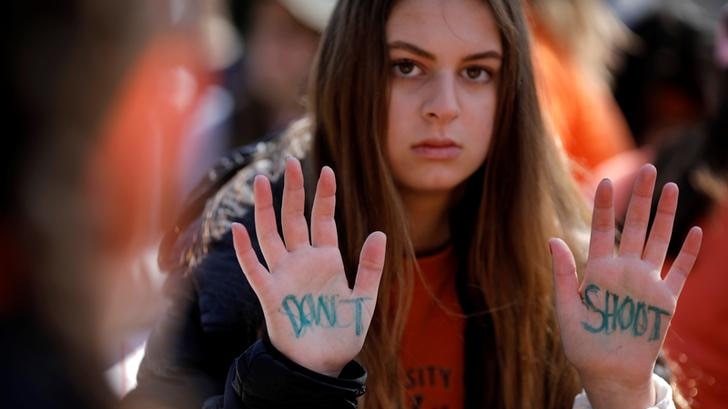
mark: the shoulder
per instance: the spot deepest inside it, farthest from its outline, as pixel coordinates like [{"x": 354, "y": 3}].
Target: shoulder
[
  {"x": 199, "y": 249},
  {"x": 226, "y": 196}
]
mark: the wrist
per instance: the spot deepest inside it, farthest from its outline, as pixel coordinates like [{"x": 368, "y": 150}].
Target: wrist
[
  {"x": 619, "y": 393},
  {"x": 330, "y": 369}
]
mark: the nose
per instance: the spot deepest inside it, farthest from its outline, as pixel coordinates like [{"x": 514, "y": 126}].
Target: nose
[{"x": 441, "y": 105}]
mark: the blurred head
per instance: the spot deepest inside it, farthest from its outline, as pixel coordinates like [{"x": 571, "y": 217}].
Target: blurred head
[
  {"x": 381, "y": 107},
  {"x": 92, "y": 177},
  {"x": 280, "y": 46},
  {"x": 664, "y": 82}
]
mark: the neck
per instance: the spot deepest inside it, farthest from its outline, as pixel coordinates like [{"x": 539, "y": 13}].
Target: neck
[{"x": 429, "y": 220}]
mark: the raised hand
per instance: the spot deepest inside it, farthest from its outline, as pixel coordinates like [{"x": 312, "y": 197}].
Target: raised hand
[
  {"x": 312, "y": 316},
  {"x": 614, "y": 323}
]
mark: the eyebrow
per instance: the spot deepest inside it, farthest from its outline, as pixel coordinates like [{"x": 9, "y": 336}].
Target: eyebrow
[{"x": 402, "y": 45}]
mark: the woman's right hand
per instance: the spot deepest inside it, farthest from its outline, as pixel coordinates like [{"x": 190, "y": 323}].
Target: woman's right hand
[{"x": 312, "y": 315}]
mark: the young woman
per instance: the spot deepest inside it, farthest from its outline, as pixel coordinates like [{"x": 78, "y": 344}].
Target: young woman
[{"x": 424, "y": 127}]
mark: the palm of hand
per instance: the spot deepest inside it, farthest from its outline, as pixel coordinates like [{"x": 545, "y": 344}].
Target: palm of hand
[
  {"x": 613, "y": 324},
  {"x": 311, "y": 314},
  {"x": 620, "y": 327},
  {"x": 318, "y": 309}
]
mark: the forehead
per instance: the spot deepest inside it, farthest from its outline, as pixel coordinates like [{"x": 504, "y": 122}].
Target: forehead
[{"x": 444, "y": 26}]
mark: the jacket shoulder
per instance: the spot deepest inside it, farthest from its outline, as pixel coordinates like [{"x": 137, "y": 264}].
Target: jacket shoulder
[{"x": 225, "y": 196}]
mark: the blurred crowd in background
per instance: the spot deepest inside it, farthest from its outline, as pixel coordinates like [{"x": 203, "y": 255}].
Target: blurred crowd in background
[{"x": 118, "y": 110}]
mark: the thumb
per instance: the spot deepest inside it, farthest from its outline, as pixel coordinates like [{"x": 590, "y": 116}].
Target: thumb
[
  {"x": 371, "y": 264},
  {"x": 566, "y": 283},
  {"x": 254, "y": 271}
]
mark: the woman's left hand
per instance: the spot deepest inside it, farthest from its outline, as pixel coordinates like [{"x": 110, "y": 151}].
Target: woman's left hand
[{"x": 614, "y": 323}]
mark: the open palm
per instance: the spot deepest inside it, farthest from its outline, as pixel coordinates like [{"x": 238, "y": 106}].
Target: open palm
[
  {"x": 311, "y": 314},
  {"x": 613, "y": 324}
]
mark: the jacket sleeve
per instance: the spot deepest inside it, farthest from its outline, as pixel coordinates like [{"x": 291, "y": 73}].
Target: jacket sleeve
[
  {"x": 212, "y": 316},
  {"x": 663, "y": 398},
  {"x": 262, "y": 377}
]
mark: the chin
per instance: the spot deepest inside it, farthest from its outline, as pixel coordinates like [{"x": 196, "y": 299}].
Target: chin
[
  {"x": 431, "y": 187},
  {"x": 432, "y": 179}
]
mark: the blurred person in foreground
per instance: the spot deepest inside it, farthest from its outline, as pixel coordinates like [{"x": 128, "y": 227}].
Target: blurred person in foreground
[{"x": 91, "y": 133}]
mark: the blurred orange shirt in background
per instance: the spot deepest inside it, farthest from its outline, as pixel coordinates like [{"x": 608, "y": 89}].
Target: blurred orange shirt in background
[{"x": 579, "y": 109}]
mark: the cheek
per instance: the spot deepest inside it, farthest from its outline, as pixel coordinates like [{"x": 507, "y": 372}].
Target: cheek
[
  {"x": 481, "y": 121},
  {"x": 398, "y": 122},
  {"x": 400, "y": 128}
]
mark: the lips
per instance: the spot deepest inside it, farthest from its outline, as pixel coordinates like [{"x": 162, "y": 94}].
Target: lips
[{"x": 437, "y": 148}]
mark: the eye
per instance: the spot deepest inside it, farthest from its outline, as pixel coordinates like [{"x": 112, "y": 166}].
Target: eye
[
  {"x": 477, "y": 74},
  {"x": 406, "y": 68}
]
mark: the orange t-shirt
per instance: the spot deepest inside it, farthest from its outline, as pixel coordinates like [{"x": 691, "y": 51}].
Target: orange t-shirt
[
  {"x": 433, "y": 342},
  {"x": 577, "y": 108}
]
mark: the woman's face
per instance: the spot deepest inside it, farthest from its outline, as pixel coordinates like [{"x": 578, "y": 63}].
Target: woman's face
[{"x": 445, "y": 56}]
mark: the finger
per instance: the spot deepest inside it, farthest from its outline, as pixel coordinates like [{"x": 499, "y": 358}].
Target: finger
[
  {"x": 601, "y": 243},
  {"x": 323, "y": 225},
  {"x": 685, "y": 260},
  {"x": 656, "y": 247},
  {"x": 371, "y": 264},
  {"x": 256, "y": 274},
  {"x": 295, "y": 229},
  {"x": 566, "y": 283},
  {"x": 638, "y": 213},
  {"x": 266, "y": 227}
]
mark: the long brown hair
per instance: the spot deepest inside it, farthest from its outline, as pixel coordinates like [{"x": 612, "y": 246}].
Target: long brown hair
[{"x": 521, "y": 196}]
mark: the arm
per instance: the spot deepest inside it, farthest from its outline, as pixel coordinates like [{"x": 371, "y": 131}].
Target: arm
[
  {"x": 186, "y": 376},
  {"x": 613, "y": 323},
  {"x": 315, "y": 365}
]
